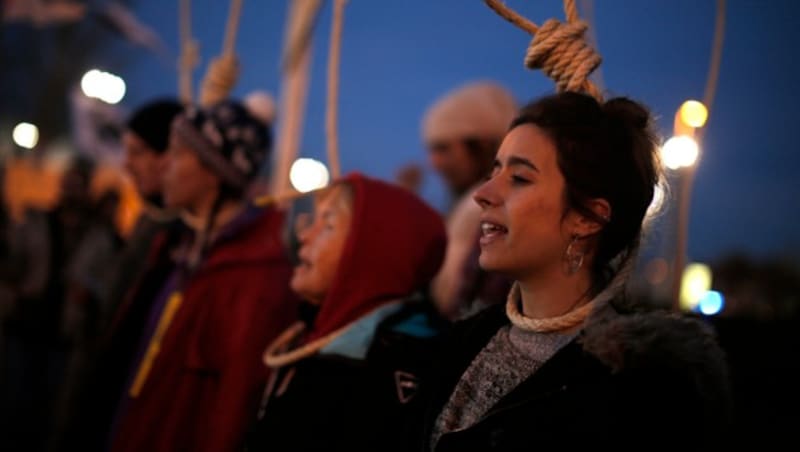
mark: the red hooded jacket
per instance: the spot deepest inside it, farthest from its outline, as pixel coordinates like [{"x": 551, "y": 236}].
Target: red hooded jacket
[
  {"x": 203, "y": 390},
  {"x": 339, "y": 399},
  {"x": 395, "y": 246}
]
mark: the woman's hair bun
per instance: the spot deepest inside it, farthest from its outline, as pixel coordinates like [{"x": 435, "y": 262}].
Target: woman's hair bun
[{"x": 630, "y": 113}]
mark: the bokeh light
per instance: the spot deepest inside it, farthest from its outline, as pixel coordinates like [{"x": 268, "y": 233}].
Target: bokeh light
[
  {"x": 308, "y": 174},
  {"x": 695, "y": 283},
  {"x": 25, "y": 135},
  {"x": 680, "y": 152},
  {"x": 104, "y": 86},
  {"x": 693, "y": 113},
  {"x": 712, "y": 303}
]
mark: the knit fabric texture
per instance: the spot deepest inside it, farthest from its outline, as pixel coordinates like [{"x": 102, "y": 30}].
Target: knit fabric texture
[{"x": 510, "y": 357}]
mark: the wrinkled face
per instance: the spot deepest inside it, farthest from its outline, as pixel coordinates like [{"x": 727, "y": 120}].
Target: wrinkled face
[
  {"x": 321, "y": 245},
  {"x": 523, "y": 226},
  {"x": 186, "y": 182},
  {"x": 143, "y": 164},
  {"x": 453, "y": 161}
]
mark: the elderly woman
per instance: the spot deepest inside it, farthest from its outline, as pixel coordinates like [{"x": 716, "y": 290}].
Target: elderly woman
[{"x": 347, "y": 377}]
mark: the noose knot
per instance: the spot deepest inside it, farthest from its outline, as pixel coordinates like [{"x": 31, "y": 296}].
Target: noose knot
[
  {"x": 561, "y": 51},
  {"x": 220, "y": 80}
]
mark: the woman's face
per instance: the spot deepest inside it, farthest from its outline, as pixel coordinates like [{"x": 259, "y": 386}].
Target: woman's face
[
  {"x": 524, "y": 230},
  {"x": 321, "y": 245}
]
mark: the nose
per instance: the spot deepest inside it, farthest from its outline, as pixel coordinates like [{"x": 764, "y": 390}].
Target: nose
[{"x": 487, "y": 195}]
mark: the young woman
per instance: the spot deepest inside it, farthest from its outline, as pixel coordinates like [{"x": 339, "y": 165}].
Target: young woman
[
  {"x": 564, "y": 363},
  {"x": 346, "y": 378}
]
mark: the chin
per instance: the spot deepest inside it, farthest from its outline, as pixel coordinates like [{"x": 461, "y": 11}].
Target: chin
[
  {"x": 489, "y": 262},
  {"x": 500, "y": 264}
]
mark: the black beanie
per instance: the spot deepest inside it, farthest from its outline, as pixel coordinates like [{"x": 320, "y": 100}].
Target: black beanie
[
  {"x": 227, "y": 139},
  {"x": 152, "y": 122}
]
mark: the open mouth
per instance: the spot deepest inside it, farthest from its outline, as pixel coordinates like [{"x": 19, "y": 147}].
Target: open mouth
[
  {"x": 302, "y": 263},
  {"x": 491, "y": 231}
]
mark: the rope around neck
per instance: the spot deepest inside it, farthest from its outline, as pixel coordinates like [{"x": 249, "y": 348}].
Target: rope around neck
[
  {"x": 223, "y": 72},
  {"x": 277, "y": 356},
  {"x": 559, "y": 49},
  {"x": 572, "y": 318}
]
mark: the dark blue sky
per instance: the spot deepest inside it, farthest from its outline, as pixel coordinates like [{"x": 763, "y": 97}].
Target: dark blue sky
[{"x": 399, "y": 56}]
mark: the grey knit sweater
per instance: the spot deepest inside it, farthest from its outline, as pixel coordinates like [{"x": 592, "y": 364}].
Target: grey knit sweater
[{"x": 509, "y": 358}]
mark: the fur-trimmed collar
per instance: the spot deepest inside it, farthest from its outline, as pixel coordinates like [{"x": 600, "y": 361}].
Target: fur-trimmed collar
[{"x": 658, "y": 340}]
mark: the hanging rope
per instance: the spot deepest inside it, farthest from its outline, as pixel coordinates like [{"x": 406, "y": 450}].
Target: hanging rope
[
  {"x": 587, "y": 8},
  {"x": 716, "y": 59},
  {"x": 190, "y": 52},
  {"x": 223, "y": 71},
  {"x": 331, "y": 116},
  {"x": 559, "y": 49},
  {"x": 302, "y": 18}
]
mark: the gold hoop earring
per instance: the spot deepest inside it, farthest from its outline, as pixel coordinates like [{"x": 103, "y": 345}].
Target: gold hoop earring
[{"x": 572, "y": 257}]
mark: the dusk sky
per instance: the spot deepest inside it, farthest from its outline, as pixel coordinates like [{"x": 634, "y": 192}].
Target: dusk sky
[{"x": 399, "y": 56}]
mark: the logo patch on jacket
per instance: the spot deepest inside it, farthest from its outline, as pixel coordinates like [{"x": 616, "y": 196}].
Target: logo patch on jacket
[{"x": 407, "y": 385}]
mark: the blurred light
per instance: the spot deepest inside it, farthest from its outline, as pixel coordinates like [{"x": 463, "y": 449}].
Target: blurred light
[
  {"x": 308, "y": 174},
  {"x": 680, "y": 152},
  {"x": 25, "y": 135},
  {"x": 103, "y": 85},
  {"x": 695, "y": 283},
  {"x": 693, "y": 113},
  {"x": 712, "y": 303}
]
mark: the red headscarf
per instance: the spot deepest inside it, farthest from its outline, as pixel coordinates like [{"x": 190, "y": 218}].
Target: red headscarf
[{"x": 394, "y": 248}]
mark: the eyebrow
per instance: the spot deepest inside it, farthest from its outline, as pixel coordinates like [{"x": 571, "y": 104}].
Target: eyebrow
[{"x": 518, "y": 161}]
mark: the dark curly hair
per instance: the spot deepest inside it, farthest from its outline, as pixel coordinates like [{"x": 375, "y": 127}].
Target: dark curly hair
[{"x": 607, "y": 151}]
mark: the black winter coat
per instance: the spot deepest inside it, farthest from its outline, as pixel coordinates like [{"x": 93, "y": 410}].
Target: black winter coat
[
  {"x": 334, "y": 403},
  {"x": 646, "y": 381}
]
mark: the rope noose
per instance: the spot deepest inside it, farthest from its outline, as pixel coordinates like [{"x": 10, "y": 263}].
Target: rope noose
[
  {"x": 559, "y": 49},
  {"x": 190, "y": 52},
  {"x": 576, "y": 316},
  {"x": 224, "y": 70},
  {"x": 331, "y": 116}
]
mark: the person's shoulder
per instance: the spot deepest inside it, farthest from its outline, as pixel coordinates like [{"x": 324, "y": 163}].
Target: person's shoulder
[
  {"x": 467, "y": 336},
  {"x": 641, "y": 338},
  {"x": 253, "y": 240},
  {"x": 660, "y": 346},
  {"x": 268, "y": 216}
]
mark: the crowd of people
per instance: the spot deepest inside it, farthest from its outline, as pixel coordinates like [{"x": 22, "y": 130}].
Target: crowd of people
[{"x": 373, "y": 324}]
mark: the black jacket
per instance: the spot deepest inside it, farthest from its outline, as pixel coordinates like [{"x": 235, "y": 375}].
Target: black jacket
[
  {"x": 337, "y": 403},
  {"x": 629, "y": 381}
]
